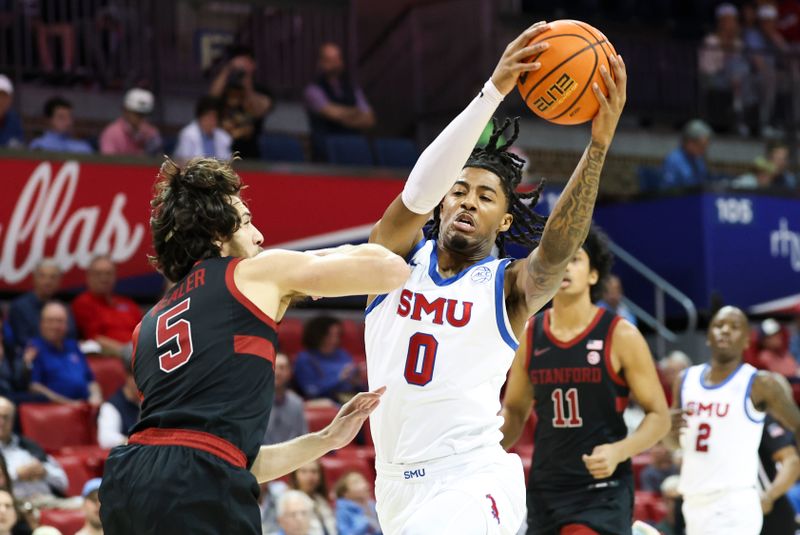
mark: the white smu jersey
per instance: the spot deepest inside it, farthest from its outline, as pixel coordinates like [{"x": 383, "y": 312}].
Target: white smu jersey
[
  {"x": 442, "y": 347},
  {"x": 720, "y": 444}
]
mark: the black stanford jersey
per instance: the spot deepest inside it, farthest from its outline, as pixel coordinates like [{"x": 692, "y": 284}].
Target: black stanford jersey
[
  {"x": 203, "y": 361},
  {"x": 579, "y": 401}
]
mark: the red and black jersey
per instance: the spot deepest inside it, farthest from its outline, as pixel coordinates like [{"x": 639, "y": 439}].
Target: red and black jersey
[
  {"x": 579, "y": 401},
  {"x": 203, "y": 362}
]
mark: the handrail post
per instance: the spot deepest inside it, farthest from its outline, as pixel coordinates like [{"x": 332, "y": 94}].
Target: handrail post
[{"x": 661, "y": 316}]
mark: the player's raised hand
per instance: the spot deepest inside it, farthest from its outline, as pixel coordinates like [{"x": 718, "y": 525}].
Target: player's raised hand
[
  {"x": 343, "y": 429},
  {"x": 603, "y": 461},
  {"x": 514, "y": 62},
  {"x": 605, "y": 122}
]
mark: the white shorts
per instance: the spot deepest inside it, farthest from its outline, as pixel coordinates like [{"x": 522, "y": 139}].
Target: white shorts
[
  {"x": 481, "y": 492},
  {"x": 733, "y": 512}
]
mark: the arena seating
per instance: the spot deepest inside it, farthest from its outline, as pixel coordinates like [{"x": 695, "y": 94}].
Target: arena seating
[
  {"x": 335, "y": 466},
  {"x": 353, "y": 336},
  {"x": 77, "y": 470},
  {"x": 281, "y": 148},
  {"x": 395, "y": 152},
  {"x": 109, "y": 373},
  {"x": 55, "y": 426},
  {"x": 319, "y": 416},
  {"x": 290, "y": 336},
  {"x": 67, "y": 522},
  {"x": 638, "y": 464},
  {"x": 649, "y": 507},
  {"x": 348, "y": 150}
]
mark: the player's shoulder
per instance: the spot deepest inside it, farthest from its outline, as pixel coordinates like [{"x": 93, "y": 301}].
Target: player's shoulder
[{"x": 624, "y": 333}]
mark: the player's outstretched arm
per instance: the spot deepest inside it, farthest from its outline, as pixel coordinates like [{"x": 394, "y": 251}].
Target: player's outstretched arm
[
  {"x": 441, "y": 163},
  {"x": 275, "y": 276},
  {"x": 518, "y": 400},
  {"x": 768, "y": 395},
  {"x": 279, "y": 459},
  {"x": 637, "y": 366},
  {"x": 538, "y": 279}
]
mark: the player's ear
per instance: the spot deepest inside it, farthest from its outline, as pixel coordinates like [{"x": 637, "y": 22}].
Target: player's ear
[
  {"x": 506, "y": 222},
  {"x": 594, "y": 277}
]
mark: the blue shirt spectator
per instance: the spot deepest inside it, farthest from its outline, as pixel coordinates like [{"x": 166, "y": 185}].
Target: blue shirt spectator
[
  {"x": 686, "y": 166},
  {"x": 612, "y": 299},
  {"x": 355, "y": 510},
  {"x": 325, "y": 370},
  {"x": 25, "y": 311},
  {"x": 60, "y": 371},
  {"x": 11, "y": 134},
  {"x": 57, "y": 137}
]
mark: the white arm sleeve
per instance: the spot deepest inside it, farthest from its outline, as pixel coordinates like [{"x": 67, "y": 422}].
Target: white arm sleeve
[{"x": 440, "y": 164}]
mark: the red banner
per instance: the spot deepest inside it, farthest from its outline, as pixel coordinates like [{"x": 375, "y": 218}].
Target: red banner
[{"x": 73, "y": 211}]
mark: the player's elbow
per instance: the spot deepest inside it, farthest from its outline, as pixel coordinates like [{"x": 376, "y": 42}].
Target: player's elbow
[{"x": 394, "y": 272}]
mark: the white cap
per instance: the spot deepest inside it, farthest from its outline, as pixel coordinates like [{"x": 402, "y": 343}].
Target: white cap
[
  {"x": 46, "y": 530},
  {"x": 6, "y": 85},
  {"x": 726, "y": 10},
  {"x": 767, "y": 11},
  {"x": 139, "y": 101},
  {"x": 769, "y": 327}
]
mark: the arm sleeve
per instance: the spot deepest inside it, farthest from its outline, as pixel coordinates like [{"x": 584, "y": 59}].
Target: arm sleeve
[
  {"x": 440, "y": 164},
  {"x": 56, "y": 477},
  {"x": 109, "y": 424}
]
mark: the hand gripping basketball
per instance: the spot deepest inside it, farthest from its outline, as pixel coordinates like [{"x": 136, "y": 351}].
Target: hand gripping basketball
[
  {"x": 605, "y": 122},
  {"x": 512, "y": 63}
]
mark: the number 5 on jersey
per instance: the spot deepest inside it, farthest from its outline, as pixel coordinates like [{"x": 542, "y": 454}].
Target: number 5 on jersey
[{"x": 169, "y": 329}]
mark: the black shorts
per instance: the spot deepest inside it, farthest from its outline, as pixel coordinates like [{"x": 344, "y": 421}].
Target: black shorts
[
  {"x": 781, "y": 520},
  {"x": 175, "y": 489},
  {"x": 607, "y": 510}
]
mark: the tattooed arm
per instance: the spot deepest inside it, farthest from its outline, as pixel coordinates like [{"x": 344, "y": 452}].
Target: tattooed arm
[{"x": 536, "y": 279}]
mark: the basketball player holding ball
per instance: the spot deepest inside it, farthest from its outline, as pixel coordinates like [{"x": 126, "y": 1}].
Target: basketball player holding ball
[{"x": 444, "y": 342}]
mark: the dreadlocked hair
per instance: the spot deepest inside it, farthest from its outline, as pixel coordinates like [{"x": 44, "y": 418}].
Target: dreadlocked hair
[
  {"x": 527, "y": 227},
  {"x": 190, "y": 211}
]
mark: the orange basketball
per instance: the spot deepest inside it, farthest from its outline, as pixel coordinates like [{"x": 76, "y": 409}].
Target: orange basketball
[{"x": 561, "y": 90}]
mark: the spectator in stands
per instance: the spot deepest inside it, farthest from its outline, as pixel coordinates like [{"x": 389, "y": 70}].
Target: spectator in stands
[
  {"x": 612, "y": 299},
  {"x": 56, "y": 138},
  {"x": 774, "y": 351},
  {"x": 777, "y": 152},
  {"x": 789, "y": 21},
  {"x": 118, "y": 414},
  {"x": 131, "y": 134},
  {"x": 91, "y": 508},
  {"x": 686, "y": 165},
  {"x": 310, "y": 479},
  {"x": 794, "y": 339},
  {"x": 294, "y": 513},
  {"x": 723, "y": 67},
  {"x": 766, "y": 47},
  {"x": 56, "y": 19},
  {"x": 268, "y": 498},
  {"x": 203, "y": 136},
  {"x": 324, "y": 369},
  {"x": 335, "y": 103},
  {"x": 659, "y": 469},
  {"x": 103, "y": 316},
  {"x": 25, "y": 312},
  {"x": 8, "y": 512},
  {"x": 670, "y": 525},
  {"x": 670, "y": 367},
  {"x": 355, "y": 509},
  {"x": 244, "y": 105},
  {"x": 60, "y": 371},
  {"x": 35, "y": 475},
  {"x": 11, "y": 134},
  {"x": 287, "y": 419}
]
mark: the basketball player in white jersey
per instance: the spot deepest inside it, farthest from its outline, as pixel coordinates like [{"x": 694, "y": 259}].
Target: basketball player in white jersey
[
  {"x": 722, "y": 417},
  {"x": 443, "y": 343}
]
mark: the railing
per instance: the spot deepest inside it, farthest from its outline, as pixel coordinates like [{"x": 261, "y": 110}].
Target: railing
[{"x": 662, "y": 289}]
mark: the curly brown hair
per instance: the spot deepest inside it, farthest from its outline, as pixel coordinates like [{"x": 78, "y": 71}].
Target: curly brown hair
[{"x": 191, "y": 210}]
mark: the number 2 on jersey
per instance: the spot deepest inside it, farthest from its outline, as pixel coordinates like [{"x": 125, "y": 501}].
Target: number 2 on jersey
[
  {"x": 703, "y": 434},
  {"x": 573, "y": 418},
  {"x": 420, "y": 359},
  {"x": 180, "y": 331}
]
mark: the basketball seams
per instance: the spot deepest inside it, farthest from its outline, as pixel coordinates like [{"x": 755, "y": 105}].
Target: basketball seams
[
  {"x": 577, "y": 53},
  {"x": 585, "y": 87}
]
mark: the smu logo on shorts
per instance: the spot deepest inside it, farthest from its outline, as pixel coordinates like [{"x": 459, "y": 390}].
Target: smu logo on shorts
[
  {"x": 441, "y": 309},
  {"x": 412, "y": 474}
]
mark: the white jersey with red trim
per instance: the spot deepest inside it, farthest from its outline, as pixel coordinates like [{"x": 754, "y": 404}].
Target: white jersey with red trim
[
  {"x": 720, "y": 443},
  {"x": 442, "y": 347}
]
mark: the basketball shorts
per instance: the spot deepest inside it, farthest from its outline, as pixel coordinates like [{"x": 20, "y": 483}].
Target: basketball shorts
[
  {"x": 155, "y": 490},
  {"x": 607, "y": 508},
  {"x": 733, "y": 512},
  {"x": 481, "y": 492}
]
